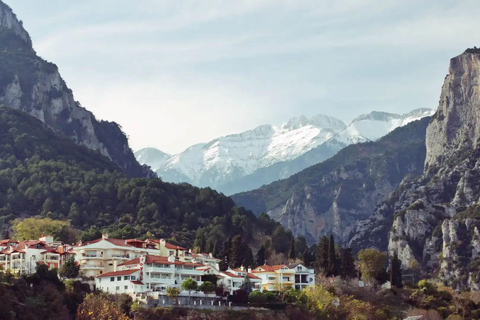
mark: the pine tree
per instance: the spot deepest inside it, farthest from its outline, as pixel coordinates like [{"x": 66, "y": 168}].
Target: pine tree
[
  {"x": 395, "y": 271},
  {"x": 247, "y": 284},
  {"x": 348, "y": 264},
  {"x": 321, "y": 255},
  {"x": 291, "y": 252},
  {"x": 332, "y": 258},
  {"x": 260, "y": 258}
]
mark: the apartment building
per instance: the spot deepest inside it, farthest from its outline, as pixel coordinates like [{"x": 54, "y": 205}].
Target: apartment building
[
  {"x": 23, "y": 256},
  {"x": 275, "y": 278},
  {"x": 304, "y": 276},
  {"x": 150, "y": 273}
]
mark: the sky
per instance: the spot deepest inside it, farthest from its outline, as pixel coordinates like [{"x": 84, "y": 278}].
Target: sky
[{"x": 176, "y": 73}]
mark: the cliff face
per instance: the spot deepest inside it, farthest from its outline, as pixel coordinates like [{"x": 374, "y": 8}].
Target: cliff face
[
  {"x": 33, "y": 85},
  {"x": 339, "y": 195},
  {"x": 437, "y": 217}
]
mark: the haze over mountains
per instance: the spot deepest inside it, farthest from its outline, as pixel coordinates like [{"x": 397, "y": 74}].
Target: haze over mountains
[{"x": 247, "y": 160}]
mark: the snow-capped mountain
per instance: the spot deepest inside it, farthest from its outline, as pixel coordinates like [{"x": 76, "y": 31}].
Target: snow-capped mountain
[
  {"x": 152, "y": 157},
  {"x": 247, "y": 160},
  {"x": 373, "y": 126}
]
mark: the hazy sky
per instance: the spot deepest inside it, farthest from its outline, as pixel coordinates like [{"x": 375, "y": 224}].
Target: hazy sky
[{"x": 175, "y": 73}]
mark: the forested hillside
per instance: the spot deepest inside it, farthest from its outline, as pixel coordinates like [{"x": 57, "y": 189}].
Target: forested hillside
[{"x": 44, "y": 174}]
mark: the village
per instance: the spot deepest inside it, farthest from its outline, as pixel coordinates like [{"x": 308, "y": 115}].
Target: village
[{"x": 146, "y": 269}]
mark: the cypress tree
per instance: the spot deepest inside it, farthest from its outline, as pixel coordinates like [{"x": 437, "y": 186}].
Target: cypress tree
[
  {"x": 332, "y": 258},
  {"x": 321, "y": 255},
  {"x": 307, "y": 258},
  {"x": 248, "y": 258},
  {"x": 237, "y": 252},
  {"x": 348, "y": 264},
  {"x": 396, "y": 271},
  {"x": 260, "y": 258},
  {"x": 291, "y": 252}
]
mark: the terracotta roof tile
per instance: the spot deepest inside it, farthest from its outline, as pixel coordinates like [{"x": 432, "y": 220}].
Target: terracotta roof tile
[{"x": 118, "y": 273}]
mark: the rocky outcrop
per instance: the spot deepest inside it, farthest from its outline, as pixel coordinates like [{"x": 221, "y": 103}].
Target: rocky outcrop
[
  {"x": 33, "y": 85},
  {"x": 437, "y": 217}
]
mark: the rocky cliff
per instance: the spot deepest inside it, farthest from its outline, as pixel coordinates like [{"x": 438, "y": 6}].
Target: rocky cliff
[
  {"x": 33, "y": 85},
  {"x": 338, "y": 196},
  {"x": 437, "y": 216}
]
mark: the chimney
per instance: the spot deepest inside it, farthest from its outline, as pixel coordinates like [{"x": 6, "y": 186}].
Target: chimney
[
  {"x": 104, "y": 236},
  {"x": 242, "y": 268},
  {"x": 249, "y": 270},
  {"x": 115, "y": 263},
  {"x": 171, "y": 258}
]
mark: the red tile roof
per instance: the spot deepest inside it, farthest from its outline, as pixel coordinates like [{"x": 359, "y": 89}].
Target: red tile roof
[
  {"x": 172, "y": 246},
  {"x": 137, "y": 282},
  {"x": 267, "y": 268},
  {"x": 118, "y": 273},
  {"x": 232, "y": 275},
  {"x": 159, "y": 259}
]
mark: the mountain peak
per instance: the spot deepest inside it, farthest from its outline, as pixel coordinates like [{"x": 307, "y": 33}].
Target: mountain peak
[
  {"x": 8, "y": 20},
  {"x": 320, "y": 121}
]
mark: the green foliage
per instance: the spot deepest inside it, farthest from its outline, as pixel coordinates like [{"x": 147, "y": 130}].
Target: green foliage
[
  {"x": 321, "y": 255},
  {"x": 257, "y": 297},
  {"x": 332, "y": 267},
  {"x": 371, "y": 263},
  {"x": 69, "y": 269},
  {"x": 189, "y": 285},
  {"x": 34, "y": 228},
  {"x": 247, "y": 285},
  {"x": 207, "y": 287}
]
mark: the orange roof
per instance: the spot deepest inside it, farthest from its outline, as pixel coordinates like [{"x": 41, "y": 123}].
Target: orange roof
[
  {"x": 232, "y": 275},
  {"x": 7, "y": 241},
  {"x": 117, "y": 242},
  {"x": 118, "y": 273},
  {"x": 252, "y": 276},
  {"x": 137, "y": 282},
  {"x": 267, "y": 268}
]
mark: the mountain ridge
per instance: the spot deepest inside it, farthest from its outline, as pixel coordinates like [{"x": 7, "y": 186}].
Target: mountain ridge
[
  {"x": 224, "y": 163},
  {"x": 35, "y": 86}
]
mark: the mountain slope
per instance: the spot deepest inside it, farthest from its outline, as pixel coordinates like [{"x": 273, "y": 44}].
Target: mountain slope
[
  {"x": 33, "y": 85},
  {"x": 332, "y": 196},
  {"x": 45, "y": 174}
]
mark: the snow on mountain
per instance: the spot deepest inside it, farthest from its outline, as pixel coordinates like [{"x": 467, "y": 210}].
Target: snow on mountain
[
  {"x": 373, "y": 126},
  {"x": 152, "y": 157},
  {"x": 247, "y": 160}
]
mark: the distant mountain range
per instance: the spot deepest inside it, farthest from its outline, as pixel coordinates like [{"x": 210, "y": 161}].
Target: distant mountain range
[{"x": 248, "y": 160}]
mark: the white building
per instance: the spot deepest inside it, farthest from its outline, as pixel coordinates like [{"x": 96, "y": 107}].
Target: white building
[
  {"x": 304, "y": 276},
  {"x": 232, "y": 279},
  {"x": 23, "y": 256},
  {"x": 152, "y": 273}
]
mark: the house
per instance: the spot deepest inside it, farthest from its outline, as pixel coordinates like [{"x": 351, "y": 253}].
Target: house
[
  {"x": 23, "y": 256},
  {"x": 275, "y": 278},
  {"x": 167, "y": 249},
  {"x": 125, "y": 281},
  {"x": 232, "y": 279},
  {"x": 304, "y": 276}
]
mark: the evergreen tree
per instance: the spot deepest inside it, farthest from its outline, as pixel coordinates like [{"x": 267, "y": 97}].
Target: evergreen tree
[
  {"x": 321, "y": 255},
  {"x": 291, "y": 251},
  {"x": 237, "y": 252},
  {"x": 69, "y": 269},
  {"x": 348, "y": 264},
  {"x": 6, "y": 234},
  {"x": 332, "y": 258},
  {"x": 248, "y": 259},
  {"x": 247, "y": 285},
  {"x": 308, "y": 258},
  {"x": 396, "y": 271},
  {"x": 260, "y": 258}
]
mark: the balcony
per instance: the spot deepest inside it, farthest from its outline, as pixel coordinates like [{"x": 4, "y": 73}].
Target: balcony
[
  {"x": 91, "y": 267},
  {"x": 120, "y": 256},
  {"x": 92, "y": 256}
]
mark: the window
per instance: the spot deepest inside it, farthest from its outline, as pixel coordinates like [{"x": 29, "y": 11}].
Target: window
[
  {"x": 126, "y": 287},
  {"x": 133, "y": 278},
  {"x": 119, "y": 278},
  {"x": 117, "y": 288},
  {"x": 125, "y": 278},
  {"x": 112, "y": 279},
  {"x": 171, "y": 253}
]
